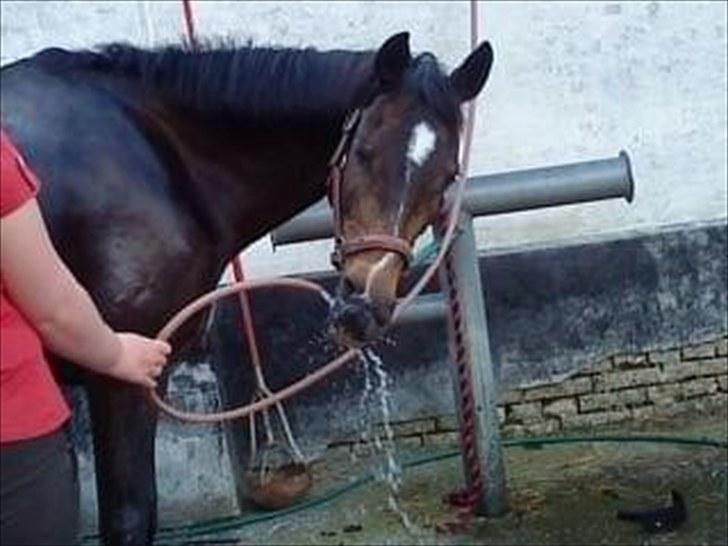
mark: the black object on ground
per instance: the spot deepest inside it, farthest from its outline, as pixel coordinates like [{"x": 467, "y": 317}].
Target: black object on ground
[{"x": 656, "y": 520}]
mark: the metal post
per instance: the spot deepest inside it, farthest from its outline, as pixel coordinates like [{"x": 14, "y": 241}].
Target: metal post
[
  {"x": 485, "y": 390},
  {"x": 423, "y": 309},
  {"x": 490, "y": 194}
]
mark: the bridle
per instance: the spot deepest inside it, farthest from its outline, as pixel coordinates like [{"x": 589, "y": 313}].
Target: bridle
[{"x": 344, "y": 248}]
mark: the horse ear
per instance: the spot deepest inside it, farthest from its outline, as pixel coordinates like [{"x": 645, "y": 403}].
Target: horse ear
[
  {"x": 469, "y": 78},
  {"x": 392, "y": 59}
]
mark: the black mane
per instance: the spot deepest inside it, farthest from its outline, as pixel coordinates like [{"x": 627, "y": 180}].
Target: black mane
[{"x": 259, "y": 82}]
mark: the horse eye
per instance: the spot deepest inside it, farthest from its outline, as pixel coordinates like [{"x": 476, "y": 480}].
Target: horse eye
[{"x": 364, "y": 154}]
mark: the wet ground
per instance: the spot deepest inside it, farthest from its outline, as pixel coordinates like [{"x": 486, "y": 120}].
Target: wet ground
[{"x": 559, "y": 494}]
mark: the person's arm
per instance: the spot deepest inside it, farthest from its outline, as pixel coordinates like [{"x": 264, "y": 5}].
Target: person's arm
[{"x": 46, "y": 292}]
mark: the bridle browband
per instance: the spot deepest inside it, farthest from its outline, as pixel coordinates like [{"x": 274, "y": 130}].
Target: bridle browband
[{"x": 344, "y": 248}]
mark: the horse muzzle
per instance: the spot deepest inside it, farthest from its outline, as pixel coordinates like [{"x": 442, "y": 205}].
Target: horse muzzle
[
  {"x": 366, "y": 297},
  {"x": 357, "y": 321}
]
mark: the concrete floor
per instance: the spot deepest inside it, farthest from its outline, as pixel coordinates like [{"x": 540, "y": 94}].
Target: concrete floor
[{"x": 565, "y": 494}]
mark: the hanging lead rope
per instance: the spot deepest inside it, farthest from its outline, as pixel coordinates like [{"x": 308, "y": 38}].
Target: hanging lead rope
[
  {"x": 189, "y": 23},
  {"x": 247, "y": 315},
  {"x": 470, "y": 497}
]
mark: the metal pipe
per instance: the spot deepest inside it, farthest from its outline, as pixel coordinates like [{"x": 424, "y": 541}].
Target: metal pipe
[
  {"x": 551, "y": 186},
  {"x": 424, "y": 308},
  {"x": 502, "y": 192},
  {"x": 315, "y": 222}
]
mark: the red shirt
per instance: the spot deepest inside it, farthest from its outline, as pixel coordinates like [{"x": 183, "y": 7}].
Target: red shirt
[{"x": 31, "y": 403}]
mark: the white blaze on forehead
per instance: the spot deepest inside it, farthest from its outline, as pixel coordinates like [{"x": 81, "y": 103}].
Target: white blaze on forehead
[{"x": 421, "y": 144}]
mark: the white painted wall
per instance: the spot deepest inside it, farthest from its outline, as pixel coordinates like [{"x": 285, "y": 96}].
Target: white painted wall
[{"x": 572, "y": 81}]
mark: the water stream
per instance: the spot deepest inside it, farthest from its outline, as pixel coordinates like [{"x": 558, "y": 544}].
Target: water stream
[{"x": 374, "y": 405}]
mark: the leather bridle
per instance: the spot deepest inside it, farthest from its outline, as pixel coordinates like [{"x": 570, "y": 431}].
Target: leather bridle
[{"x": 343, "y": 248}]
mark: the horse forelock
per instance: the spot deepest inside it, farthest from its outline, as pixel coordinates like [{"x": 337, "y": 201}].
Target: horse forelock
[{"x": 427, "y": 80}]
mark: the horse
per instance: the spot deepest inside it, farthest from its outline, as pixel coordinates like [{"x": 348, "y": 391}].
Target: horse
[{"x": 159, "y": 165}]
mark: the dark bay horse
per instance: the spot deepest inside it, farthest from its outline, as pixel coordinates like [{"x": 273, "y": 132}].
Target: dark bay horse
[{"x": 158, "y": 166}]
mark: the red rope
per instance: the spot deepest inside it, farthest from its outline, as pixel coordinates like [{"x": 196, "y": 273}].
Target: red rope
[
  {"x": 467, "y": 499},
  {"x": 190, "y": 23},
  {"x": 247, "y": 312},
  {"x": 237, "y": 262}
]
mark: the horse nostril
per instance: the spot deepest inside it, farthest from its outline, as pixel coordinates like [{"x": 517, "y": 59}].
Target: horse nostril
[
  {"x": 354, "y": 319},
  {"x": 360, "y": 320}
]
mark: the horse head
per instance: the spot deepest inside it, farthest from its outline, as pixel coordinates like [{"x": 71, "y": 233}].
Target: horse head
[{"x": 397, "y": 157}]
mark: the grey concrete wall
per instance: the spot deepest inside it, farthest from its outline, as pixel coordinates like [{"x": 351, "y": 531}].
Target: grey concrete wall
[
  {"x": 550, "y": 312},
  {"x": 194, "y": 476}
]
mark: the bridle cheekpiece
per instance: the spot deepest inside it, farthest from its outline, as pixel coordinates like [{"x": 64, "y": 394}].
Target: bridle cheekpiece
[{"x": 344, "y": 248}]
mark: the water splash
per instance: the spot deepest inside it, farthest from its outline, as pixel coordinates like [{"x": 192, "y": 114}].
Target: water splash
[
  {"x": 328, "y": 298},
  {"x": 365, "y": 411},
  {"x": 377, "y": 392}
]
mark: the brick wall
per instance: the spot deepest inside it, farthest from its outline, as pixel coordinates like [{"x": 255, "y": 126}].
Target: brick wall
[{"x": 620, "y": 388}]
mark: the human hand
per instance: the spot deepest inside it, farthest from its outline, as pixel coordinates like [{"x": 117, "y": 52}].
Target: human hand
[{"x": 140, "y": 360}]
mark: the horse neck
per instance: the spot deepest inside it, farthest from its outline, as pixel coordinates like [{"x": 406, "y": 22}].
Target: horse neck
[{"x": 249, "y": 176}]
